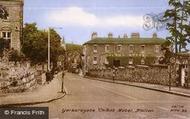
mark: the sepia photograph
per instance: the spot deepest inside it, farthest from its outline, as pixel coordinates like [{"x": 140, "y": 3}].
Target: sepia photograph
[{"x": 94, "y": 59}]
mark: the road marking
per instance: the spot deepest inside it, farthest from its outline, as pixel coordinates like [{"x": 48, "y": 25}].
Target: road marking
[{"x": 121, "y": 94}]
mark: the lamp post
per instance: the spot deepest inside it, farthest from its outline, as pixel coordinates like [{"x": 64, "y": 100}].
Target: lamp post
[
  {"x": 49, "y": 49},
  {"x": 49, "y": 45}
]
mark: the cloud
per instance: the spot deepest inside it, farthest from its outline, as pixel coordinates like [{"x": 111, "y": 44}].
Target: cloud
[{"x": 76, "y": 16}]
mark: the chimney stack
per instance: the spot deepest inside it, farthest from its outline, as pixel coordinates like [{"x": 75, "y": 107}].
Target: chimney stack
[
  {"x": 94, "y": 35},
  {"x": 110, "y": 35},
  {"x": 135, "y": 35}
]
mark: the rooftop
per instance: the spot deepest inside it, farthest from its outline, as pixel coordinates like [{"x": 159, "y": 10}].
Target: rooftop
[{"x": 100, "y": 40}]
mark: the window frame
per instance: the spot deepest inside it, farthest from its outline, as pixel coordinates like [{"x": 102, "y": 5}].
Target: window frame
[
  {"x": 95, "y": 49},
  {"x": 107, "y": 48},
  {"x": 157, "y": 48},
  {"x": 95, "y": 60},
  {"x": 131, "y": 49},
  {"x": 119, "y": 48}
]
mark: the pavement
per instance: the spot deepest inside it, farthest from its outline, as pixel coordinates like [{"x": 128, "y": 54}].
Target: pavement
[
  {"x": 174, "y": 90},
  {"x": 42, "y": 94}
]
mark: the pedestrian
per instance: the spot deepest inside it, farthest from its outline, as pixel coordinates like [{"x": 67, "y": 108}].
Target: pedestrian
[
  {"x": 114, "y": 74},
  {"x": 48, "y": 76}
]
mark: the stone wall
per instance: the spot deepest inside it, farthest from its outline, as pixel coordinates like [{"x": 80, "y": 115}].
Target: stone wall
[
  {"x": 17, "y": 77},
  {"x": 28, "y": 82},
  {"x": 14, "y": 22},
  {"x": 154, "y": 75}
]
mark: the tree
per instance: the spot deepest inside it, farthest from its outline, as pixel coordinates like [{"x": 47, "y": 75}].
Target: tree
[
  {"x": 15, "y": 56},
  {"x": 73, "y": 52},
  {"x": 35, "y": 44},
  {"x": 165, "y": 47},
  {"x": 3, "y": 12},
  {"x": 56, "y": 48},
  {"x": 178, "y": 16}
]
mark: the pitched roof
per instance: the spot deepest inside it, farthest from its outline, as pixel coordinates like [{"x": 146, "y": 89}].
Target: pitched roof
[{"x": 126, "y": 41}]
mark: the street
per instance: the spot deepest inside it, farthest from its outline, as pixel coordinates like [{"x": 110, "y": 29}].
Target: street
[{"x": 90, "y": 99}]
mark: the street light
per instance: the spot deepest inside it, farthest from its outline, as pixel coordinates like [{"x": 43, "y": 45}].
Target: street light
[
  {"x": 49, "y": 45},
  {"x": 49, "y": 59}
]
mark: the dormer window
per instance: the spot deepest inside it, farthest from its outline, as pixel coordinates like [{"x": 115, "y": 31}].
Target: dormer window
[
  {"x": 95, "y": 49},
  {"x": 130, "y": 60}
]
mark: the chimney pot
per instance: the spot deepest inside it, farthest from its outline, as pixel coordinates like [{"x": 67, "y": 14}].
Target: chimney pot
[
  {"x": 135, "y": 35},
  {"x": 94, "y": 35},
  {"x": 110, "y": 35}
]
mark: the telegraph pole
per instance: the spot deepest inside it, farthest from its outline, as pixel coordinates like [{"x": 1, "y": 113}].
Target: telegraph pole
[{"x": 49, "y": 50}]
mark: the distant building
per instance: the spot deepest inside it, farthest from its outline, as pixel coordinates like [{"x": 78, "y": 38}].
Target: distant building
[
  {"x": 12, "y": 25},
  {"x": 110, "y": 51}
]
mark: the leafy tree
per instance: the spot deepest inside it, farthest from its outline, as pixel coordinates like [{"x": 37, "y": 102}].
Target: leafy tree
[
  {"x": 3, "y": 13},
  {"x": 35, "y": 44},
  {"x": 56, "y": 48},
  {"x": 166, "y": 49},
  {"x": 73, "y": 51},
  {"x": 73, "y": 48},
  {"x": 177, "y": 26},
  {"x": 15, "y": 56}
]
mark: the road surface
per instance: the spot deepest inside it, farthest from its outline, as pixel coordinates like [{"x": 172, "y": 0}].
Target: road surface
[{"x": 91, "y": 99}]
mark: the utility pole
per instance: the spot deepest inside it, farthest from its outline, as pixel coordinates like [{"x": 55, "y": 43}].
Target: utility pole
[
  {"x": 49, "y": 50},
  {"x": 169, "y": 66}
]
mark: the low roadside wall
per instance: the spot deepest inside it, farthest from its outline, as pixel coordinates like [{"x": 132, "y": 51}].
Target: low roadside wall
[
  {"x": 153, "y": 74},
  {"x": 26, "y": 83}
]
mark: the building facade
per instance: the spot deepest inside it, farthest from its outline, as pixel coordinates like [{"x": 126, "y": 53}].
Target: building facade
[
  {"x": 100, "y": 52},
  {"x": 11, "y": 26}
]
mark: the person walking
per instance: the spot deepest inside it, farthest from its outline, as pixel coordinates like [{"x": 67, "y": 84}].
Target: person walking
[{"x": 114, "y": 74}]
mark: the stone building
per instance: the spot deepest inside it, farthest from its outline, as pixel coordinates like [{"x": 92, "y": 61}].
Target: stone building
[
  {"x": 11, "y": 26},
  {"x": 100, "y": 52}
]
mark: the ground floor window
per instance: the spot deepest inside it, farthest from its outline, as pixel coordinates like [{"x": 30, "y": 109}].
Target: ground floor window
[
  {"x": 142, "y": 61},
  {"x": 6, "y": 36},
  {"x": 130, "y": 60},
  {"x": 95, "y": 60}
]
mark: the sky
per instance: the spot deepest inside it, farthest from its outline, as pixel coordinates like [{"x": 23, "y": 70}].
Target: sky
[{"x": 75, "y": 20}]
